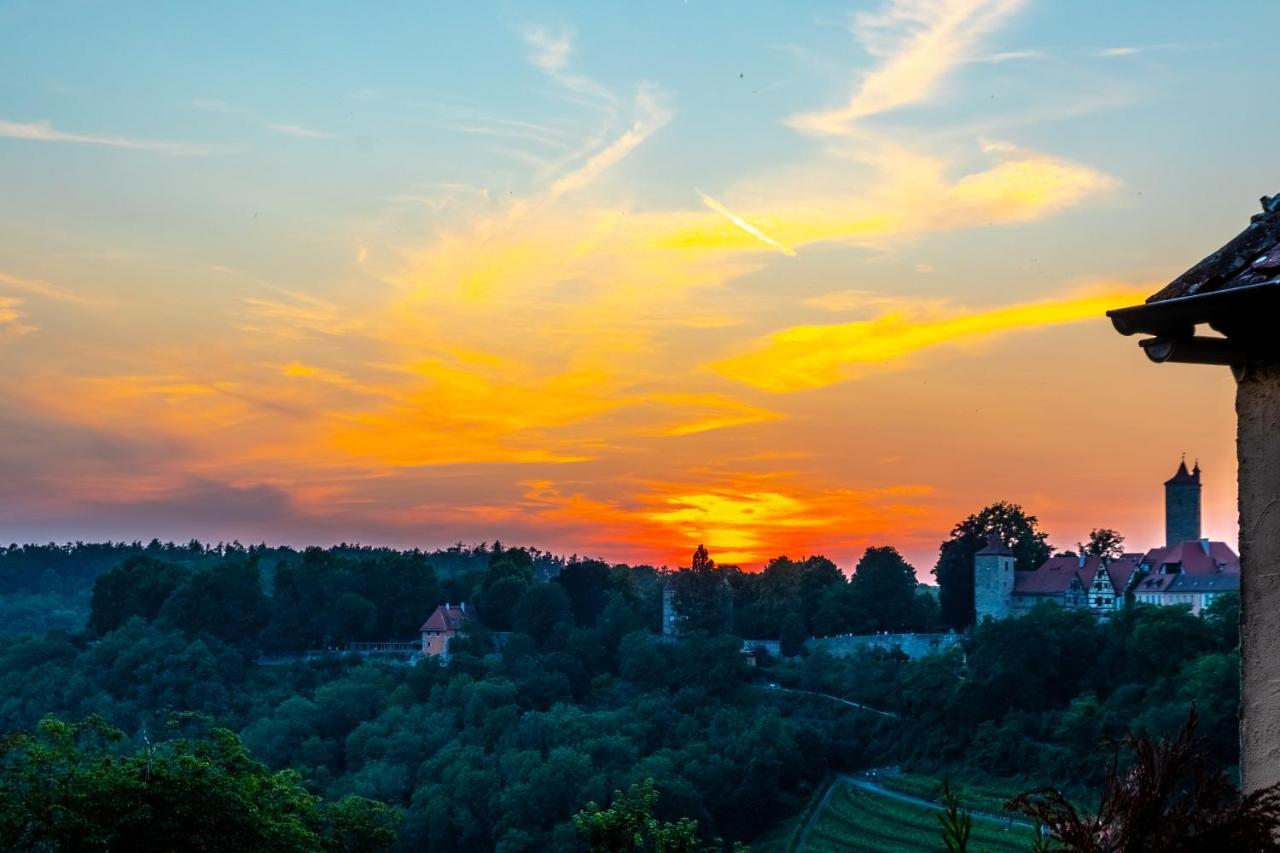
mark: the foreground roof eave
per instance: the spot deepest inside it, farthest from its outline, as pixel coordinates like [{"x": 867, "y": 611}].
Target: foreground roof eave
[{"x": 1180, "y": 315}]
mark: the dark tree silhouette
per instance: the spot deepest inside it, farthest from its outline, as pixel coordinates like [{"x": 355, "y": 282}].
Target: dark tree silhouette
[
  {"x": 1171, "y": 797},
  {"x": 1103, "y": 542}
]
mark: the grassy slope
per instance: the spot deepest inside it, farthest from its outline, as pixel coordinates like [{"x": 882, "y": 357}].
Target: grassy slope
[{"x": 860, "y": 820}]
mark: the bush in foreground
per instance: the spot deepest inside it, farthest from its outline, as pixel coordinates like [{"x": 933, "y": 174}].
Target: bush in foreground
[{"x": 71, "y": 787}]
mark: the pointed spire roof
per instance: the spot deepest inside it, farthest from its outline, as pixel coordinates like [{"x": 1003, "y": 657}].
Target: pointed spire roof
[
  {"x": 1183, "y": 476},
  {"x": 995, "y": 547}
]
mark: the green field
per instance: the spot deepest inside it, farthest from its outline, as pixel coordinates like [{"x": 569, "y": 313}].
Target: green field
[{"x": 859, "y": 820}]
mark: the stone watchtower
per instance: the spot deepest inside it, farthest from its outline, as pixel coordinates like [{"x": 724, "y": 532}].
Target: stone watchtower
[
  {"x": 993, "y": 580},
  {"x": 670, "y": 615},
  {"x": 1182, "y": 506}
]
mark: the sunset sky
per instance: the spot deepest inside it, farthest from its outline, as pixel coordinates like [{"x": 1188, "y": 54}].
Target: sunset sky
[{"x": 612, "y": 279}]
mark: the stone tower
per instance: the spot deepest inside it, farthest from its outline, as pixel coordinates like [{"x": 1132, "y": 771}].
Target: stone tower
[
  {"x": 993, "y": 580},
  {"x": 1182, "y": 506},
  {"x": 670, "y": 616}
]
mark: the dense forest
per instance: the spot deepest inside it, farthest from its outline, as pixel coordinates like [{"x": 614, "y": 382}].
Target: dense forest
[{"x": 561, "y": 695}]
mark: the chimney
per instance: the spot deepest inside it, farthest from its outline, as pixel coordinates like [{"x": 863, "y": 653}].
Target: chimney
[
  {"x": 1081, "y": 558},
  {"x": 1204, "y": 543}
]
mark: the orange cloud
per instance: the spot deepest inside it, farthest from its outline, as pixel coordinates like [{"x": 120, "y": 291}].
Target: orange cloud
[
  {"x": 743, "y": 520},
  {"x": 11, "y": 316},
  {"x": 815, "y": 356}
]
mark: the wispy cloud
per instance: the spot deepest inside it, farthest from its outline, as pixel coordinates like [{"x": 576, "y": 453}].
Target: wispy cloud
[
  {"x": 43, "y": 131},
  {"x": 743, "y": 224},
  {"x": 551, "y": 50},
  {"x": 845, "y": 301},
  {"x": 11, "y": 318},
  {"x": 650, "y": 115},
  {"x": 296, "y": 130},
  {"x": 1110, "y": 52},
  {"x": 297, "y": 315},
  {"x": 805, "y": 357},
  {"x": 551, "y": 53},
  {"x": 1015, "y": 55},
  {"x": 919, "y": 43},
  {"x": 538, "y": 134},
  {"x": 212, "y": 105},
  {"x": 1135, "y": 49},
  {"x": 39, "y": 288},
  {"x": 833, "y": 200}
]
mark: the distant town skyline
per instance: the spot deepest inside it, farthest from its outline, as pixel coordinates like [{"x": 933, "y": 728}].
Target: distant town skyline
[{"x": 612, "y": 280}]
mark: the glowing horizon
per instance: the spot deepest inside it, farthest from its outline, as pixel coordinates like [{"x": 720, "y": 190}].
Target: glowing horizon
[{"x": 609, "y": 282}]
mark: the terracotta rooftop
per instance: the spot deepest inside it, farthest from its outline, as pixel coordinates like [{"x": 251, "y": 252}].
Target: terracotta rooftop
[
  {"x": 1193, "y": 558},
  {"x": 447, "y": 617},
  {"x": 1056, "y": 574}
]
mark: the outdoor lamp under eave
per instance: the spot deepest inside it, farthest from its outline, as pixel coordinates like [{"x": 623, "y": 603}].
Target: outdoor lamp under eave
[{"x": 1235, "y": 292}]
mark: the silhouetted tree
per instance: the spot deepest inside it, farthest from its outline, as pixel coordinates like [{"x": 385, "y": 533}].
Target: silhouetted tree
[
  {"x": 1170, "y": 796},
  {"x": 791, "y": 639},
  {"x": 884, "y": 586},
  {"x": 138, "y": 587},
  {"x": 1103, "y": 542}
]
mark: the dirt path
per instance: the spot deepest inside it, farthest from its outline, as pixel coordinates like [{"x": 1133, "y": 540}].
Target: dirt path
[
  {"x": 876, "y": 788},
  {"x": 841, "y": 700},
  {"x": 802, "y": 840}
]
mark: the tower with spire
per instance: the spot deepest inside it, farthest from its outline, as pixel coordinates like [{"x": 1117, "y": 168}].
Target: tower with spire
[{"x": 1182, "y": 505}]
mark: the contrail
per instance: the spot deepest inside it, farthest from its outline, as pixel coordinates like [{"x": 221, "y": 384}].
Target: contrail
[{"x": 743, "y": 224}]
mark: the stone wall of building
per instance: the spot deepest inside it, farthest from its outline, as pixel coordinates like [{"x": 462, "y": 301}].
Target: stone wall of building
[
  {"x": 1258, "y": 411},
  {"x": 992, "y": 585},
  {"x": 1181, "y": 512}
]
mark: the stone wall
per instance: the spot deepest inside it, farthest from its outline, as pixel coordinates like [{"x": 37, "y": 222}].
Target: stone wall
[
  {"x": 992, "y": 585},
  {"x": 1258, "y": 411},
  {"x": 911, "y": 645}
]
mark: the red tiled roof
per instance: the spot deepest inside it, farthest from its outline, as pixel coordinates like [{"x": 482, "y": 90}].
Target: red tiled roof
[
  {"x": 446, "y": 617},
  {"x": 1056, "y": 574},
  {"x": 1192, "y": 559}
]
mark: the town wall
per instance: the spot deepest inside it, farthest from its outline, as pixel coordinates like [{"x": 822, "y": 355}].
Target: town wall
[{"x": 911, "y": 645}]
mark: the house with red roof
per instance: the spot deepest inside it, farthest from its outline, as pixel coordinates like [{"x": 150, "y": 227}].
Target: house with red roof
[
  {"x": 445, "y": 622},
  {"x": 1098, "y": 583},
  {"x": 1192, "y": 573},
  {"x": 1183, "y": 572}
]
